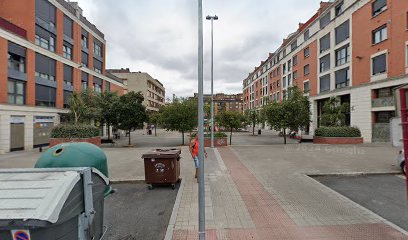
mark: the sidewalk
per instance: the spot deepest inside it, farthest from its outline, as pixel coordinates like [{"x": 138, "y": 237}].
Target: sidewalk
[{"x": 253, "y": 195}]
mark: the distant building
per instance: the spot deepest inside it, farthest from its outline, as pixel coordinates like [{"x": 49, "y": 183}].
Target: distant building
[
  {"x": 152, "y": 89},
  {"x": 224, "y": 102}
]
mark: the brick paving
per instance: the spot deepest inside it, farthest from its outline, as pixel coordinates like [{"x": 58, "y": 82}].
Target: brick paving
[{"x": 265, "y": 211}]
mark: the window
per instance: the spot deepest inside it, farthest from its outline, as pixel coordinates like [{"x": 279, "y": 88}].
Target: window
[
  {"x": 16, "y": 92},
  {"x": 306, "y": 52},
  {"x": 284, "y": 82},
  {"x": 293, "y": 46},
  {"x": 295, "y": 60},
  {"x": 84, "y": 81},
  {"x": 284, "y": 52},
  {"x": 278, "y": 83},
  {"x": 84, "y": 39},
  {"x": 284, "y": 68},
  {"x": 44, "y": 67},
  {"x": 379, "y": 64},
  {"x": 289, "y": 79},
  {"x": 342, "y": 32},
  {"x": 306, "y": 70},
  {"x": 16, "y": 62},
  {"x": 45, "y": 11},
  {"x": 44, "y": 38},
  {"x": 107, "y": 86},
  {"x": 45, "y": 96},
  {"x": 325, "y": 83},
  {"x": 294, "y": 75},
  {"x": 67, "y": 50},
  {"x": 67, "y": 26},
  {"x": 97, "y": 66},
  {"x": 68, "y": 70},
  {"x": 325, "y": 43},
  {"x": 339, "y": 9},
  {"x": 342, "y": 55},
  {"x": 325, "y": 20},
  {"x": 84, "y": 58},
  {"x": 289, "y": 65},
  {"x": 97, "y": 85},
  {"x": 67, "y": 95},
  {"x": 306, "y": 87},
  {"x": 97, "y": 49},
  {"x": 379, "y": 6},
  {"x": 325, "y": 63},
  {"x": 306, "y": 35},
  {"x": 379, "y": 35},
  {"x": 342, "y": 78}
]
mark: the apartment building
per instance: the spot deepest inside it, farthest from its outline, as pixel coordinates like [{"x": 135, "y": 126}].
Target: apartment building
[
  {"x": 224, "y": 102},
  {"x": 356, "y": 50},
  {"x": 152, "y": 89},
  {"x": 48, "y": 50}
]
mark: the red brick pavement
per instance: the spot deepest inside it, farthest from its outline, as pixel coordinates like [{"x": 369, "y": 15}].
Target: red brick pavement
[{"x": 272, "y": 222}]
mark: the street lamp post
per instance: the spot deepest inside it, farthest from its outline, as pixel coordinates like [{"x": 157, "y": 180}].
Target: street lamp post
[{"x": 212, "y": 18}]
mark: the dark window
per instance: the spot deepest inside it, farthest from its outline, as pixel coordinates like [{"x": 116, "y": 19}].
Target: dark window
[
  {"x": 379, "y": 6},
  {"x": 284, "y": 82},
  {"x": 284, "y": 68},
  {"x": 44, "y": 38},
  {"x": 295, "y": 60},
  {"x": 325, "y": 20},
  {"x": 343, "y": 32},
  {"x": 342, "y": 55},
  {"x": 67, "y": 26},
  {"x": 67, "y": 95},
  {"x": 306, "y": 52},
  {"x": 306, "y": 87},
  {"x": 290, "y": 65},
  {"x": 84, "y": 39},
  {"x": 325, "y": 43},
  {"x": 97, "y": 85},
  {"x": 45, "y": 11},
  {"x": 289, "y": 79},
  {"x": 16, "y": 57},
  {"x": 379, "y": 35},
  {"x": 306, "y": 70},
  {"x": 68, "y": 72},
  {"x": 84, "y": 81},
  {"x": 284, "y": 52},
  {"x": 339, "y": 9},
  {"x": 342, "y": 78},
  {"x": 325, "y": 83},
  {"x": 294, "y": 75},
  {"x": 384, "y": 117},
  {"x": 97, "y": 66},
  {"x": 107, "y": 86},
  {"x": 44, "y": 67},
  {"x": 45, "y": 96},
  {"x": 97, "y": 48},
  {"x": 67, "y": 50},
  {"x": 16, "y": 92},
  {"x": 84, "y": 58},
  {"x": 325, "y": 63},
  {"x": 293, "y": 46},
  {"x": 306, "y": 35},
  {"x": 380, "y": 64}
]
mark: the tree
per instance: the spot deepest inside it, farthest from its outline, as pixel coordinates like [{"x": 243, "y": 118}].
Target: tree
[
  {"x": 231, "y": 120},
  {"x": 154, "y": 118},
  {"x": 253, "y": 118},
  {"x": 83, "y": 107},
  {"x": 292, "y": 113},
  {"x": 131, "y": 112},
  {"x": 334, "y": 113},
  {"x": 180, "y": 115},
  {"x": 108, "y": 114}
]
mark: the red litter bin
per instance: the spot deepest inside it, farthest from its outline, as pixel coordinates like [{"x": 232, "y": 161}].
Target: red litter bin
[{"x": 162, "y": 167}]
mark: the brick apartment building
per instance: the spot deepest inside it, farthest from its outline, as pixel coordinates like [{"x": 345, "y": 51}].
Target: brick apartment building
[
  {"x": 224, "y": 102},
  {"x": 152, "y": 89},
  {"x": 356, "y": 50},
  {"x": 47, "y": 51}
]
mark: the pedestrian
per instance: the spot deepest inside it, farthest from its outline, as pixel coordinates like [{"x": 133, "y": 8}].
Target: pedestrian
[{"x": 194, "y": 146}]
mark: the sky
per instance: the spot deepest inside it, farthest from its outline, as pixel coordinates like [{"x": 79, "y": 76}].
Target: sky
[{"x": 160, "y": 37}]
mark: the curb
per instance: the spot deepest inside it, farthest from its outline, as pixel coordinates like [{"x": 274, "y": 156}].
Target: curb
[
  {"x": 350, "y": 174},
  {"x": 172, "y": 222},
  {"x": 118, "y": 181}
]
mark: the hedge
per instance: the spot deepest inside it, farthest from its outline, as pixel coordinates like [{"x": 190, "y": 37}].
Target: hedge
[
  {"x": 216, "y": 135},
  {"x": 337, "y": 132},
  {"x": 74, "y": 131}
]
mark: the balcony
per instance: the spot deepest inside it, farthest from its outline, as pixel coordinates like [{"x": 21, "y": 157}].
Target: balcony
[{"x": 383, "y": 102}]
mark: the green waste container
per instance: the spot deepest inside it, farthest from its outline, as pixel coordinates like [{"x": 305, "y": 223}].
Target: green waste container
[{"x": 75, "y": 154}]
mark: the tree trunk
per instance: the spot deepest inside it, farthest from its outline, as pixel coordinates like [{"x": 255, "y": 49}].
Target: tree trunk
[
  {"x": 231, "y": 137},
  {"x": 108, "y": 129},
  {"x": 129, "y": 138},
  {"x": 253, "y": 129},
  {"x": 155, "y": 134},
  {"x": 284, "y": 135},
  {"x": 182, "y": 134}
]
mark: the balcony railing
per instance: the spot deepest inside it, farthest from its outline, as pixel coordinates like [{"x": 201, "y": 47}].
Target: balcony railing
[{"x": 383, "y": 102}]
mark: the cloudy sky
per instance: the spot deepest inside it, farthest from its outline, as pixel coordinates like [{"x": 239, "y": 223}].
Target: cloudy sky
[{"x": 160, "y": 37}]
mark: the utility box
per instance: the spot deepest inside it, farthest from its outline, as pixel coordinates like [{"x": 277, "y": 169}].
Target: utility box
[
  {"x": 162, "y": 167},
  {"x": 51, "y": 204}
]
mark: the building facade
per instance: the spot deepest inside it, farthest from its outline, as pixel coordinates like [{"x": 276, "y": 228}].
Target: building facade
[
  {"x": 355, "y": 50},
  {"x": 224, "y": 102},
  {"x": 48, "y": 50},
  {"x": 152, "y": 89}
]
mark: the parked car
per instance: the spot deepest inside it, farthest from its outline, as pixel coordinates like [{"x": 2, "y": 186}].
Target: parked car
[{"x": 401, "y": 161}]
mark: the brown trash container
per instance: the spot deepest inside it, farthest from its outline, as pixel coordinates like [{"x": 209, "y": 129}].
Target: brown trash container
[{"x": 162, "y": 167}]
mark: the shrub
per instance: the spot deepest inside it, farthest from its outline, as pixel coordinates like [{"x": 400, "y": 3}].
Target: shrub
[
  {"x": 216, "y": 135},
  {"x": 337, "y": 132},
  {"x": 74, "y": 131}
]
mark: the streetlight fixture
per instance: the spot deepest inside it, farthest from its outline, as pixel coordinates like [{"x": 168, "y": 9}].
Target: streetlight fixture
[{"x": 212, "y": 18}]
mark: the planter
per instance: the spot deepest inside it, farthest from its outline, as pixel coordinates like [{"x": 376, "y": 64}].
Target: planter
[
  {"x": 337, "y": 140},
  {"x": 218, "y": 141},
  {"x": 94, "y": 140}
]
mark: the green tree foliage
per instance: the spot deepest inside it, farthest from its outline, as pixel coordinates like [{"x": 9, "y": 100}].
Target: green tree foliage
[
  {"x": 334, "y": 113},
  {"x": 180, "y": 115},
  {"x": 292, "y": 113},
  {"x": 252, "y": 117},
  {"x": 131, "y": 112},
  {"x": 83, "y": 106},
  {"x": 230, "y": 120},
  {"x": 107, "y": 103},
  {"x": 154, "y": 118}
]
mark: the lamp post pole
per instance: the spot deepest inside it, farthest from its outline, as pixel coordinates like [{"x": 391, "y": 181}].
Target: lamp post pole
[{"x": 212, "y": 18}]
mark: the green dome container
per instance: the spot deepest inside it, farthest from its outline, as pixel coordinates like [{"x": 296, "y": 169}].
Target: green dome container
[{"x": 75, "y": 154}]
